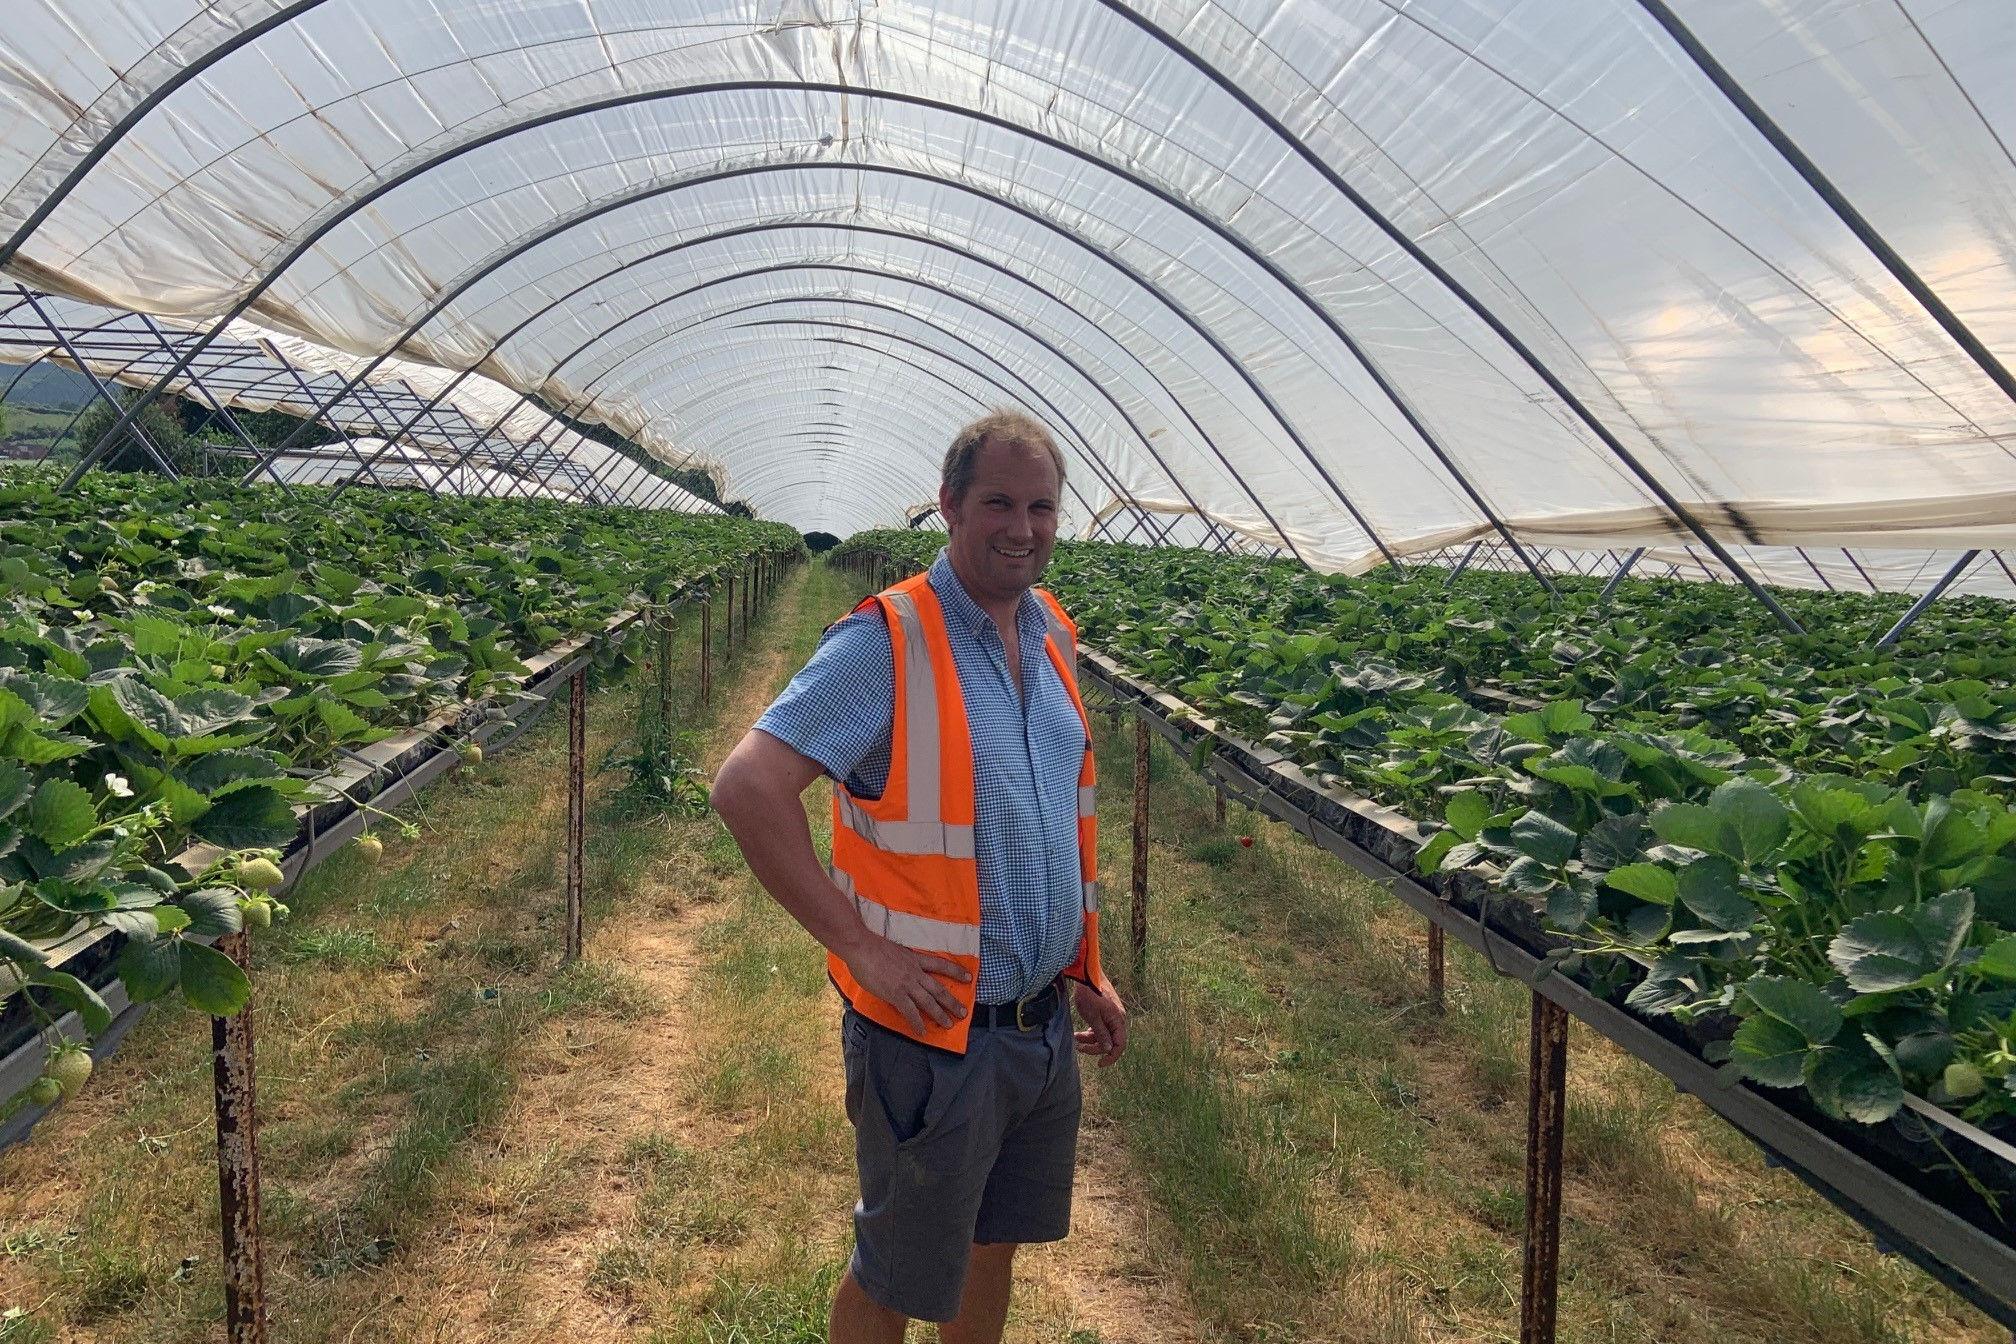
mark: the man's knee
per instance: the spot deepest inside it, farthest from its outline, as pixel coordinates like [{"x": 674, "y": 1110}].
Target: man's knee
[
  {"x": 857, "y": 1317},
  {"x": 995, "y": 1252}
]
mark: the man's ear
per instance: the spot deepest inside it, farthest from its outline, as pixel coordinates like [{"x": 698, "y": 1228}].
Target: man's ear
[{"x": 948, "y": 507}]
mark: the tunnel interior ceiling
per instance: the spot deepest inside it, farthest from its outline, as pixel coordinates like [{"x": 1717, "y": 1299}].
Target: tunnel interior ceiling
[{"x": 1359, "y": 279}]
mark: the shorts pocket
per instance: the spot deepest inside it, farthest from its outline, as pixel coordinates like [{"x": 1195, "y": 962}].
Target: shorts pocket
[
  {"x": 903, "y": 1077},
  {"x": 853, "y": 1062}
]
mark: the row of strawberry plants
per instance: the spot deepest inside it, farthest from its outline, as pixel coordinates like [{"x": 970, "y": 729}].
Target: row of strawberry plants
[
  {"x": 1808, "y": 856},
  {"x": 180, "y": 661}
]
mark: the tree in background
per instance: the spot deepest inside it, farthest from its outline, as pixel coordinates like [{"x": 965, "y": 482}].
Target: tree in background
[{"x": 160, "y": 421}]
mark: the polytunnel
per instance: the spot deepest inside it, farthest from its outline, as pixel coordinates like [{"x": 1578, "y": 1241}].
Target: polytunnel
[
  {"x": 635, "y": 307},
  {"x": 1359, "y": 280}
]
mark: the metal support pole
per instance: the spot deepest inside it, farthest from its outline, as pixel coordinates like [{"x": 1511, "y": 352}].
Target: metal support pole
[
  {"x": 728, "y": 621},
  {"x": 1438, "y": 971},
  {"x": 1858, "y": 568},
  {"x": 747, "y": 585},
  {"x": 1463, "y": 564},
  {"x": 1546, "y": 1122},
  {"x": 140, "y": 435},
  {"x": 706, "y": 650},
  {"x": 1218, "y": 806},
  {"x": 238, "y": 1163},
  {"x": 1918, "y": 608},
  {"x": 314, "y": 417},
  {"x": 218, "y": 409},
  {"x": 1618, "y": 577},
  {"x": 1139, "y": 922},
  {"x": 1818, "y": 573},
  {"x": 577, "y": 807},
  {"x": 665, "y": 671}
]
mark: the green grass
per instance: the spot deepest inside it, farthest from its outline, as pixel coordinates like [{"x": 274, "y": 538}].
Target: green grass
[{"x": 785, "y": 1303}]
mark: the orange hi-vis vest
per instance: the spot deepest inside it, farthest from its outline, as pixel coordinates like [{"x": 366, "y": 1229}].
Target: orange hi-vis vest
[{"x": 906, "y": 859}]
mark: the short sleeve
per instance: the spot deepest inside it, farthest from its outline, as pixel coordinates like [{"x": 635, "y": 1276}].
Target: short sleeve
[{"x": 841, "y": 707}]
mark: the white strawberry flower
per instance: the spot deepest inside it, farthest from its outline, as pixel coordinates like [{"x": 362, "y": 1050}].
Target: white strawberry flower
[{"x": 118, "y": 786}]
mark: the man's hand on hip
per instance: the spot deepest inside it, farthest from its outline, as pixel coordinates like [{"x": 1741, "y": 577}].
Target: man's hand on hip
[
  {"x": 907, "y": 980},
  {"x": 1105, "y": 1019}
]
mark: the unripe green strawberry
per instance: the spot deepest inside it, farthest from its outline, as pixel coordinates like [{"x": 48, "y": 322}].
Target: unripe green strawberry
[
  {"x": 1963, "y": 1080},
  {"x": 45, "y": 1091},
  {"x": 370, "y": 848},
  {"x": 258, "y": 914},
  {"x": 472, "y": 753},
  {"x": 260, "y": 874},
  {"x": 71, "y": 1068}
]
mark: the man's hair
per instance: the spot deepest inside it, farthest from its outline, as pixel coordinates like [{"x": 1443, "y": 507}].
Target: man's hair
[{"x": 1000, "y": 426}]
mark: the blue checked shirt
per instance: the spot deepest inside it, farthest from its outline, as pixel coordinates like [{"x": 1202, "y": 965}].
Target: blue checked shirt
[{"x": 1027, "y": 751}]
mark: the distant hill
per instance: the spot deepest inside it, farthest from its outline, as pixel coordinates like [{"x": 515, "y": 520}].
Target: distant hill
[{"x": 46, "y": 386}]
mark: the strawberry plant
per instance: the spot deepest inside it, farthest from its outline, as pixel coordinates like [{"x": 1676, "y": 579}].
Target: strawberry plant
[{"x": 179, "y": 662}]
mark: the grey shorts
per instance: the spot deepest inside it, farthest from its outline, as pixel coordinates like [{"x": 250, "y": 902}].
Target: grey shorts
[{"x": 956, "y": 1149}]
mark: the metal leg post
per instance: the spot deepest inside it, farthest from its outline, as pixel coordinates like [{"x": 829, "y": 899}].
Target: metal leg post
[
  {"x": 577, "y": 807},
  {"x": 1463, "y": 564},
  {"x": 706, "y": 651},
  {"x": 1546, "y": 1112},
  {"x": 728, "y": 623},
  {"x": 665, "y": 669},
  {"x": 1437, "y": 968},
  {"x": 238, "y": 1164},
  {"x": 1618, "y": 577},
  {"x": 1905, "y": 621},
  {"x": 1139, "y": 921}
]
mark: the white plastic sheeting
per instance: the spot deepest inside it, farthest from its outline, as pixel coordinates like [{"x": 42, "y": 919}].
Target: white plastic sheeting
[
  {"x": 487, "y": 439},
  {"x": 1146, "y": 211}
]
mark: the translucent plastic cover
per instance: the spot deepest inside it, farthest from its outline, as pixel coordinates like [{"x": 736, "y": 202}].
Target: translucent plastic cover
[{"x": 1362, "y": 278}]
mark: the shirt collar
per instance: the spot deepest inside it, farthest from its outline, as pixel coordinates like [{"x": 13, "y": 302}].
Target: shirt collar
[{"x": 960, "y": 606}]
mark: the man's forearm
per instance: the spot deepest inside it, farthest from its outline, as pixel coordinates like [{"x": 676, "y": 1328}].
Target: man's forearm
[{"x": 768, "y": 822}]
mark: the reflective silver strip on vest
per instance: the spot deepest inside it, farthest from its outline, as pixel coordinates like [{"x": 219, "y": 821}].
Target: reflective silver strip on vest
[
  {"x": 906, "y": 837},
  {"x": 918, "y": 932},
  {"x": 920, "y": 718},
  {"x": 1092, "y": 897},
  {"x": 1061, "y": 633},
  {"x": 1088, "y": 800}
]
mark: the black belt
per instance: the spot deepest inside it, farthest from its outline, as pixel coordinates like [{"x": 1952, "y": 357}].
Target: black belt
[{"x": 1030, "y": 1014}]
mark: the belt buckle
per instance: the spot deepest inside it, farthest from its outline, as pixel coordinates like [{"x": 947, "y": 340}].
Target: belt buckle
[{"x": 1020, "y": 1004}]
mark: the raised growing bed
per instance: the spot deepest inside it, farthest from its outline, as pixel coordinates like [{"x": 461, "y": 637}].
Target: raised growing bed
[
  {"x": 1937, "y": 1220},
  {"x": 377, "y": 777}
]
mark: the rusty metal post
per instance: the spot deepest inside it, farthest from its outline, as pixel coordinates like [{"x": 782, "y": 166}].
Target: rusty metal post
[
  {"x": 728, "y": 621},
  {"x": 1139, "y": 922},
  {"x": 577, "y": 807},
  {"x": 1437, "y": 968},
  {"x": 748, "y": 591},
  {"x": 665, "y": 669},
  {"x": 238, "y": 1164},
  {"x": 707, "y": 651},
  {"x": 1546, "y": 1121}
]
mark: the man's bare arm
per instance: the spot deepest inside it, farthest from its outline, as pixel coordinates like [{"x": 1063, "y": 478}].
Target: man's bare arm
[{"x": 756, "y": 792}]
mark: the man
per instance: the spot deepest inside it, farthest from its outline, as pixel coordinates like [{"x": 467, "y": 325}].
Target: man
[{"x": 959, "y": 912}]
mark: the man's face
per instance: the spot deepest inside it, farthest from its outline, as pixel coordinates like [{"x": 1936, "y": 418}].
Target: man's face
[{"x": 1005, "y": 528}]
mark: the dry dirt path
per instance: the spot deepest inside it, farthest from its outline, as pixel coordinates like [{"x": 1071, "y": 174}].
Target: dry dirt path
[{"x": 565, "y": 1236}]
